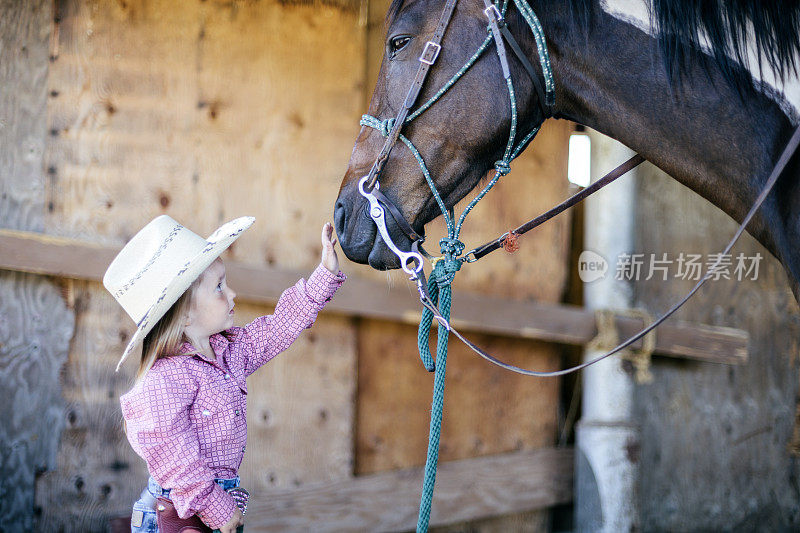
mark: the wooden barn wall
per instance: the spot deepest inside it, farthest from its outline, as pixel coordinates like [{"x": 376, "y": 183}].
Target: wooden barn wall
[
  {"x": 35, "y": 322},
  {"x": 715, "y": 439},
  {"x": 207, "y": 110}
]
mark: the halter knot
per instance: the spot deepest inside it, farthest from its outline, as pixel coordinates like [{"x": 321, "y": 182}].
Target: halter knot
[
  {"x": 445, "y": 272},
  {"x": 383, "y": 126},
  {"x": 502, "y": 167},
  {"x": 386, "y": 126},
  {"x": 451, "y": 247}
]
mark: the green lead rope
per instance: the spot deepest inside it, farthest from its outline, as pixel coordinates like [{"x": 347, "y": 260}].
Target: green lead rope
[{"x": 439, "y": 287}]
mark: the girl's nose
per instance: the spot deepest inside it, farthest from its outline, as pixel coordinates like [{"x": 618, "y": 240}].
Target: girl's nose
[{"x": 231, "y": 294}]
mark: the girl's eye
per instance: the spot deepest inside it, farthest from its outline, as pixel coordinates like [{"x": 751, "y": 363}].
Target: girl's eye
[
  {"x": 398, "y": 43},
  {"x": 219, "y": 286}
]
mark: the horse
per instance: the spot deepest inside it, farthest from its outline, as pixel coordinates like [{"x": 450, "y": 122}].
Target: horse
[{"x": 677, "y": 81}]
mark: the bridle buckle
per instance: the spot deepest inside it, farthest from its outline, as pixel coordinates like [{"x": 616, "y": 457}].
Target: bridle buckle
[
  {"x": 492, "y": 13},
  {"x": 430, "y": 53}
]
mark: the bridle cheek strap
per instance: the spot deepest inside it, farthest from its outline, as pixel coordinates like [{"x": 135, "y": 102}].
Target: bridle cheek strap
[
  {"x": 398, "y": 216},
  {"x": 502, "y": 34},
  {"x": 428, "y": 57}
]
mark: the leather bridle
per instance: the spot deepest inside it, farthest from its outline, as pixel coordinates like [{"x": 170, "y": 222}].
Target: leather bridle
[
  {"x": 427, "y": 58},
  {"x": 412, "y": 261}
]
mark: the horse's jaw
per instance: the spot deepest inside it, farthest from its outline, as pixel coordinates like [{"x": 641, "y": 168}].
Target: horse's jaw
[{"x": 381, "y": 257}]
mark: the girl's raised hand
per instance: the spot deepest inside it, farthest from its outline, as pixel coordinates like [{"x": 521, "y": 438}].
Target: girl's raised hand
[{"x": 329, "y": 258}]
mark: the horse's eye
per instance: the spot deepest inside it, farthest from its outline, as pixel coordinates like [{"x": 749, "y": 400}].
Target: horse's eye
[{"x": 398, "y": 43}]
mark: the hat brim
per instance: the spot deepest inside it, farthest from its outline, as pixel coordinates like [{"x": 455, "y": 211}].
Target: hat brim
[{"x": 217, "y": 242}]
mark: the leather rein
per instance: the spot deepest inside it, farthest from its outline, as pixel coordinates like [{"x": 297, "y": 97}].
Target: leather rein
[{"x": 412, "y": 261}]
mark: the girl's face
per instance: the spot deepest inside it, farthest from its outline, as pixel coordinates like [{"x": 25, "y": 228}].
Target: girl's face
[{"x": 212, "y": 306}]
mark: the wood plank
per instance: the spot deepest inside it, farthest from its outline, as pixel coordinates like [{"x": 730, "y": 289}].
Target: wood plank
[
  {"x": 714, "y": 443},
  {"x": 37, "y": 253},
  {"x": 24, "y": 49},
  {"x": 42, "y": 254},
  {"x": 574, "y": 325},
  {"x": 465, "y": 490},
  {"x": 487, "y": 409},
  {"x": 139, "y": 129},
  {"x": 35, "y": 331},
  {"x": 301, "y": 402},
  {"x": 35, "y": 323},
  {"x": 97, "y": 471}
]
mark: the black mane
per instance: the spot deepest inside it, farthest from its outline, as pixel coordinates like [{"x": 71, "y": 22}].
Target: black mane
[
  {"x": 730, "y": 26},
  {"x": 774, "y": 30}
]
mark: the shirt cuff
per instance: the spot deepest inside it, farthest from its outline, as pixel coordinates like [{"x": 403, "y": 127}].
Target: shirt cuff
[
  {"x": 322, "y": 284},
  {"x": 220, "y": 508}
]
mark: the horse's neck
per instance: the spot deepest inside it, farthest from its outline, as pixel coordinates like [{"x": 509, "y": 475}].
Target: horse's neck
[{"x": 698, "y": 130}]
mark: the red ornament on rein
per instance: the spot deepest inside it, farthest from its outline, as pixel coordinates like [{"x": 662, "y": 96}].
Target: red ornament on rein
[{"x": 511, "y": 242}]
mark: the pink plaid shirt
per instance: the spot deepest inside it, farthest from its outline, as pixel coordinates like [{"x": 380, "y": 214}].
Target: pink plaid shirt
[{"x": 188, "y": 417}]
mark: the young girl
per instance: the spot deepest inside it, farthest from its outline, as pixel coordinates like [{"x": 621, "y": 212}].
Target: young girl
[{"x": 186, "y": 414}]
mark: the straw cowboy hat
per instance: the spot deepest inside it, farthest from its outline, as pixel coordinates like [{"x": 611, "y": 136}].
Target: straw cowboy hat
[{"x": 157, "y": 266}]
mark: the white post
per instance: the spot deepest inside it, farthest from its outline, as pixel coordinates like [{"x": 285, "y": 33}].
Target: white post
[{"x": 606, "y": 440}]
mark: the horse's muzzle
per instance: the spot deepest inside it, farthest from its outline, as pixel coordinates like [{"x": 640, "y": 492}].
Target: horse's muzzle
[
  {"x": 358, "y": 234},
  {"x": 355, "y": 229}
]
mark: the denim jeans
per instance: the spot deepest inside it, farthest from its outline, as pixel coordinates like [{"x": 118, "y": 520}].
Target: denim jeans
[{"x": 144, "y": 512}]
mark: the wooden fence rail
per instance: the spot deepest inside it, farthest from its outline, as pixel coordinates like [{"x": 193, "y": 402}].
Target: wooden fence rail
[
  {"x": 466, "y": 490},
  {"x": 67, "y": 258}
]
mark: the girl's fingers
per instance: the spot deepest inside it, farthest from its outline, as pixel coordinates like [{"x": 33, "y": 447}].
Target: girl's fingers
[{"x": 327, "y": 232}]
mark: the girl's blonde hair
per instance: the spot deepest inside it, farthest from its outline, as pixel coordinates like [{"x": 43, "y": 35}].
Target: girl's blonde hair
[{"x": 167, "y": 336}]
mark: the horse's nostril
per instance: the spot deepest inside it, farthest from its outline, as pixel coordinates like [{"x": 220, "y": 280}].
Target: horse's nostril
[{"x": 340, "y": 218}]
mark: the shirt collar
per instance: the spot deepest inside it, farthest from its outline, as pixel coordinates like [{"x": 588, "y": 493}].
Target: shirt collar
[
  {"x": 218, "y": 342},
  {"x": 218, "y": 345}
]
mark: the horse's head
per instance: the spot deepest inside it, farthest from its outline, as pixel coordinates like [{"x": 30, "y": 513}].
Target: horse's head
[{"x": 459, "y": 137}]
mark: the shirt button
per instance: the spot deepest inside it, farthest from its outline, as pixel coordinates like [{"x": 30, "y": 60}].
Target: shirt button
[
  {"x": 227, "y": 376},
  {"x": 236, "y": 412},
  {"x": 242, "y": 449}
]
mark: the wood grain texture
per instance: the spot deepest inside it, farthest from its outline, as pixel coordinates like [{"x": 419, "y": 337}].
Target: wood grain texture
[
  {"x": 526, "y": 522},
  {"x": 487, "y": 410},
  {"x": 97, "y": 475},
  {"x": 204, "y": 111},
  {"x": 24, "y": 34},
  {"x": 375, "y": 44},
  {"x": 465, "y": 490},
  {"x": 35, "y": 324},
  {"x": 347, "y": 5},
  {"x": 714, "y": 440},
  {"x": 301, "y": 408},
  {"x": 35, "y": 331}
]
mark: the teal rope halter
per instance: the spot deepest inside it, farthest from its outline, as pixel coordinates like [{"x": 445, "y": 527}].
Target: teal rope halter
[{"x": 445, "y": 268}]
